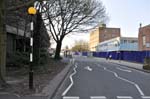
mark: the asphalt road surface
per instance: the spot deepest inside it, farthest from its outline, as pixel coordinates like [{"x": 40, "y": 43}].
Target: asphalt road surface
[{"x": 100, "y": 79}]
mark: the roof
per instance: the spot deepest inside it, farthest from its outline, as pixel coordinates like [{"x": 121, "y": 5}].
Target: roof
[
  {"x": 118, "y": 39},
  {"x": 146, "y": 26}
]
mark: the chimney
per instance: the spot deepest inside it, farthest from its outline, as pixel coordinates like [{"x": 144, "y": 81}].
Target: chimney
[
  {"x": 104, "y": 25},
  {"x": 140, "y": 25}
]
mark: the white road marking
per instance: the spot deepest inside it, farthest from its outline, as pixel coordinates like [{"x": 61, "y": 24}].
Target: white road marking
[
  {"x": 88, "y": 68},
  {"x": 124, "y": 97},
  {"x": 133, "y": 83},
  {"x": 131, "y": 69},
  {"x": 146, "y": 97},
  {"x": 71, "y": 84},
  {"x": 73, "y": 60},
  {"x": 139, "y": 89},
  {"x": 70, "y": 97},
  {"x": 98, "y": 97},
  {"x": 124, "y": 70}
]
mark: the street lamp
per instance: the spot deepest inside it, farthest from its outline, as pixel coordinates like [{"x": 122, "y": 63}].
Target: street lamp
[{"x": 31, "y": 11}]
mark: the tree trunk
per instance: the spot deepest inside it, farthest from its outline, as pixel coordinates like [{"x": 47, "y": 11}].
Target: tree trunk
[
  {"x": 58, "y": 49},
  {"x": 2, "y": 44},
  {"x": 36, "y": 37}
]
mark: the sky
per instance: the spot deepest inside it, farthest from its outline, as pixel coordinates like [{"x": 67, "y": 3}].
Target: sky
[
  {"x": 128, "y": 14},
  {"x": 124, "y": 14}
]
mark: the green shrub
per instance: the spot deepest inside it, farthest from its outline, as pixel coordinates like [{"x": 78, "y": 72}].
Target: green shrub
[
  {"x": 146, "y": 67},
  {"x": 17, "y": 59}
]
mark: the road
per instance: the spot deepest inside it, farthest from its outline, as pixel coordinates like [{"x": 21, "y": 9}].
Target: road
[{"x": 100, "y": 79}]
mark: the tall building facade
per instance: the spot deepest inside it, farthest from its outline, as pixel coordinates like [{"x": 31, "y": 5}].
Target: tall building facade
[
  {"x": 101, "y": 34},
  {"x": 144, "y": 38}
]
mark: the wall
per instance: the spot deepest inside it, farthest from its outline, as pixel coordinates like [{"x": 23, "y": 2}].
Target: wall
[
  {"x": 11, "y": 45},
  {"x": 144, "y": 31},
  {"x": 94, "y": 39},
  {"x": 102, "y": 34},
  {"x": 108, "y": 33}
]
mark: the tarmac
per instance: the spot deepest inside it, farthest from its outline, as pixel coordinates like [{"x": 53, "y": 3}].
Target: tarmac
[{"x": 137, "y": 66}]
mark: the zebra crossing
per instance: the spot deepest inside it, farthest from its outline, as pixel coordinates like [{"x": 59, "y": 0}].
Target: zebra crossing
[{"x": 104, "y": 97}]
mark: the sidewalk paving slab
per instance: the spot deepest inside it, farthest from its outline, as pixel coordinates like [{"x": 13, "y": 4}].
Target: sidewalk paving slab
[{"x": 48, "y": 91}]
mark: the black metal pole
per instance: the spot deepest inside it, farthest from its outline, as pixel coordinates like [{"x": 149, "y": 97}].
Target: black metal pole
[{"x": 31, "y": 55}]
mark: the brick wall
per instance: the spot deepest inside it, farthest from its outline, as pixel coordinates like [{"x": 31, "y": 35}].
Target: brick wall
[
  {"x": 109, "y": 33},
  {"x": 102, "y": 34},
  {"x": 144, "y": 38}
]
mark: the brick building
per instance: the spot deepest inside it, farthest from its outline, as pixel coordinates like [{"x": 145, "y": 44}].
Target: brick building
[
  {"x": 101, "y": 34},
  {"x": 144, "y": 38}
]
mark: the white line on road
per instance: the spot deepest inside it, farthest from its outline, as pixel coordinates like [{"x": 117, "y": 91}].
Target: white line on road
[
  {"x": 133, "y": 83},
  {"x": 88, "y": 68},
  {"x": 98, "y": 97},
  {"x": 70, "y": 97},
  {"x": 146, "y": 97},
  {"x": 71, "y": 84},
  {"x": 124, "y": 97},
  {"x": 124, "y": 70}
]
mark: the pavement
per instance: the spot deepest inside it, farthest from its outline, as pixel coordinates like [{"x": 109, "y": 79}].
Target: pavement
[
  {"x": 49, "y": 91},
  {"x": 93, "y": 78}
]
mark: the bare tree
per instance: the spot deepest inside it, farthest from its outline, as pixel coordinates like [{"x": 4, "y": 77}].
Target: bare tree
[
  {"x": 68, "y": 16},
  {"x": 80, "y": 46},
  {"x": 2, "y": 43}
]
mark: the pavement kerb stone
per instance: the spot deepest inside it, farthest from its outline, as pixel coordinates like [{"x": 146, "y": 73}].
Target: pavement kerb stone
[
  {"x": 11, "y": 94},
  {"x": 55, "y": 83}
]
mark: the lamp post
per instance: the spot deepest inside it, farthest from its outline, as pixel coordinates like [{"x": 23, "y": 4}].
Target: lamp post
[{"x": 31, "y": 12}]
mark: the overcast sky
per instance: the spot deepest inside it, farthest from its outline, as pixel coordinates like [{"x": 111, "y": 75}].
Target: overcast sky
[
  {"x": 125, "y": 14},
  {"x": 128, "y": 14}
]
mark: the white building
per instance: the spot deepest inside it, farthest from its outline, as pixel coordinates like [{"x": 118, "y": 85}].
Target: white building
[{"x": 118, "y": 44}]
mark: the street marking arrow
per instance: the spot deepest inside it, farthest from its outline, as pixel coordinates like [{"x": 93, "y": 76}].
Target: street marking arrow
[{"x": 88, "y": 68}]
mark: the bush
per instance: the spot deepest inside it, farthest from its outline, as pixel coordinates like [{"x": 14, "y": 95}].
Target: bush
[
  {"x": 17, "y": 59},
  {"x": 146, "y": 67},
  {"x": 146, "y": 63}
]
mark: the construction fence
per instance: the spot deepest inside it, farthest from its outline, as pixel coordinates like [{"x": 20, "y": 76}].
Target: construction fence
[{"x": 132, "y": 56}]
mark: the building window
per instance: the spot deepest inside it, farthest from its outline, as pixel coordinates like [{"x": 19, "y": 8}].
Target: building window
[
  {"x": 133, "y": 41},
  {"x": 144, "y": 40},
  {"x": 125, "y": 41},
  {"x": 113, "y": 35}
]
